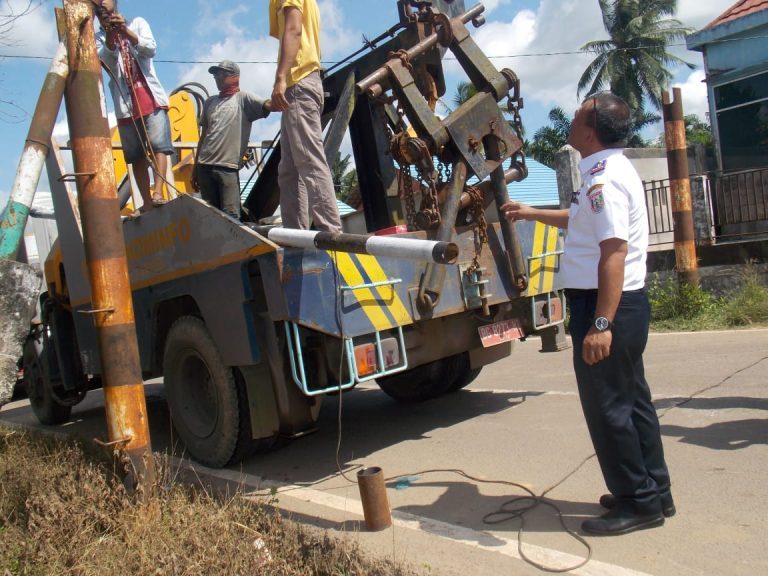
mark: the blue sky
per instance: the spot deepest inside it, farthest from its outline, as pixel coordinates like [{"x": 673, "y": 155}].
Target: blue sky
[{"x": 519, "y": 34}]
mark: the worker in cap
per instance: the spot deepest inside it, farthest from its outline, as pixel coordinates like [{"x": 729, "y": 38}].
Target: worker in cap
[{"x": 225, "y": 128}]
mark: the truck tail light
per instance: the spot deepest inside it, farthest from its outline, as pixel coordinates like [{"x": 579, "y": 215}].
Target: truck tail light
[{"x": 366, "y": 358}]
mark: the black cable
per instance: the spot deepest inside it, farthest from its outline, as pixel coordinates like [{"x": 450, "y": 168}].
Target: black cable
[
  {"x": 506, "y": 512},
  {"x": 334, "y": 63},
  {"x": 198, "y": 92}
]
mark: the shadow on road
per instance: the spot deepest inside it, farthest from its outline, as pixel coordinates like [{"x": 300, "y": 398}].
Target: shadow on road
[
  {"x": 371, "y": 421},
  {"x": 722, "y": 403},
  {"x": 733, "y": 435}
]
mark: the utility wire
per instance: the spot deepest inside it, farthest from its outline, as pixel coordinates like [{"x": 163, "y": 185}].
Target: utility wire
[{"x": 497, "y": 57}]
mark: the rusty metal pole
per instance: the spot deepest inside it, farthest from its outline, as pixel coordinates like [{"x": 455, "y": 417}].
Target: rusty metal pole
[
  {"x": 518, "y": 273},
  {"x": 680, "y": 188},
  {"x": 14, "y": 218},
  {"x": 126, "y": 410}
]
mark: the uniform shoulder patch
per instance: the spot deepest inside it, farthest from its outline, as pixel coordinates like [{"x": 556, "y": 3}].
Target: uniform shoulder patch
[
  {"x": 596, "y": 199},
  {"x": 597, "y": 168}
]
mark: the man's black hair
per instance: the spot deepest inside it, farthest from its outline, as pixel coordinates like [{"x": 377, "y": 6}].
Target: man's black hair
[{"x": 611, "y": 118}]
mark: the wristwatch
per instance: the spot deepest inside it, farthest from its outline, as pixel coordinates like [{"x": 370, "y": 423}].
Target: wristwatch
[{"x": 602, "y": 324}]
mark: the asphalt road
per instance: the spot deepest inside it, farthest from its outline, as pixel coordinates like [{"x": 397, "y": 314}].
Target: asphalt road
[{"x": 520, "y": 422}]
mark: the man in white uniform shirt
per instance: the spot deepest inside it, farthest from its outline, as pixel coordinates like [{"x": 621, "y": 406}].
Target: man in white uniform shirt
[{"x": 603, "y": 271}]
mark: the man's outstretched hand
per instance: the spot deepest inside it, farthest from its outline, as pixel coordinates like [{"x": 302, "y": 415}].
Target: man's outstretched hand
[{"x": 514, "y": 211}]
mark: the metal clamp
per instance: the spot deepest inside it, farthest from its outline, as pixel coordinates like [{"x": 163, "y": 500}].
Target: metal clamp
[
  {"x": 103, "y": 444},
  {"x": 72, "y": 176},
  {"x": 99, "y": 311}
]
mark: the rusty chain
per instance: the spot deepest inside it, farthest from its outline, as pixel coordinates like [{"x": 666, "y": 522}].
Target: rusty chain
[{"x": 480, "y": 227}]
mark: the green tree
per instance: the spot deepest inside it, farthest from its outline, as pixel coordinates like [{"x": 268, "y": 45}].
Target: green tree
[
  {"x": 464, "y": 91},
  {"x": 634, "y": 62},
  {"x": 349, "y": 186},
  {"x": 549, "y": 139},
  {"x": 338, "y": 169},
  {"x": 697, "y": 131}
]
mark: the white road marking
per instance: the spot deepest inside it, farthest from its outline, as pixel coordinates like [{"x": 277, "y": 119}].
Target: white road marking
[{"x": 263, "y": 487}]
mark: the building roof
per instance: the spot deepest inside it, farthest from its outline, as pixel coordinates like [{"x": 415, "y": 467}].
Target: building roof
[
  {"x": 739, "y": 10},
  {"x": 246, "y": 187},
  {"x": 743, "y": 16},
  {"x": 539, "y": 189}
]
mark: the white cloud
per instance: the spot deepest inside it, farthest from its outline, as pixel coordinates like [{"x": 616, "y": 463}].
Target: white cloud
[
  {"x": 239, "y": 44},
  {"x": 34, "y": 31},
  {"x": 694, "y": 93},
  {"x": 335, "y": 38},
  {"x": 491, "y": 5},
  {"x": 557, "y": 26},
  {"x": 699, "y": 13},
  {"x": 564, "y": 26}
]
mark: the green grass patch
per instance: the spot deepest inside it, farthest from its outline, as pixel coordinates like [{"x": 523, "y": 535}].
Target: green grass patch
[{"x": 682, "y": 307}]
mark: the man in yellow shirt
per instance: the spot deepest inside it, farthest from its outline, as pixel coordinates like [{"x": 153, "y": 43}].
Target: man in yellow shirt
[{"x": 306, "y": 186}]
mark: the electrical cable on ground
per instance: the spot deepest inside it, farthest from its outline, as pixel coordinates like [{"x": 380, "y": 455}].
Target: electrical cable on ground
[{"x": 507, "y": 511}]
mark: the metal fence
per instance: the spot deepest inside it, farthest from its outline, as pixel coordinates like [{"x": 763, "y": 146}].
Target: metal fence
[
  {"x": 741, "y": 197},
  {"x": 726, "y": 207},
  {"x": 659, "y": 207}
]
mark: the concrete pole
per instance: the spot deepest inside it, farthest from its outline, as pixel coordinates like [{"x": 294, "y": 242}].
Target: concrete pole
[
  {"x": 126, "y": 410},
  {"x": 14, "y": 216},
  {"x": 568, "y": 176},
  {"x": 680, "y": 188}
]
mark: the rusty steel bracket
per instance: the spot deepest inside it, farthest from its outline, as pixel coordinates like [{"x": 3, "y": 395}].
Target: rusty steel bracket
[
  {"x": 101, "y": 310},
  {"x": 124, "y": 440},
  {"x": 72, "y": 176}
]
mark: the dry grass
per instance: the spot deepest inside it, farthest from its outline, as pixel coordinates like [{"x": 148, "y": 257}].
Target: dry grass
[{"x": 64, "y": 511}]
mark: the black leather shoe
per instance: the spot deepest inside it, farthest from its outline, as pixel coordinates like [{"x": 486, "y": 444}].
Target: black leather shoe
[
  {"x": 608, "y": 501},
  {"x": 619, "y": 521}
]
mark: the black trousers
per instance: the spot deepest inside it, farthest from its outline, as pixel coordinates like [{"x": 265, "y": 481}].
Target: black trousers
[
  {"x": 616, "y": 402},
  {"x": 220, "y": 187}
]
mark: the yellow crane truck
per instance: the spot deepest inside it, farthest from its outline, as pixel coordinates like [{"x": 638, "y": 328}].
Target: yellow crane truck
[{"x": 249, "y": 333}]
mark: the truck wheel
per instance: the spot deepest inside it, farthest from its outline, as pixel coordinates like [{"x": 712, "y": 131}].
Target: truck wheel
[
  {"x": 208, "y": 405},
  {"x": 38, "y": 383},
  {"x": 423, "y": 382},
  {"x": 464, "y": 374}
]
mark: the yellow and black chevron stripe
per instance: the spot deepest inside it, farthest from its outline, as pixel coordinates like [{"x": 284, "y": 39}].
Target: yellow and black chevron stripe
[
  {"x": 543, "y": 268},
  {"x": 381, "y": 304}
]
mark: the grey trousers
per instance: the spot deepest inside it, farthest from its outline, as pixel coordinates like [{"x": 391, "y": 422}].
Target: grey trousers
[{"x": 306, "y": 186}]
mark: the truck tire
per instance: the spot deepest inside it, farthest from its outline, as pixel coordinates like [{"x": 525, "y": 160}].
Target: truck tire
[
  {"x": 464, "y": 374},
  {"x": 423, "y": 382},
  {"x": 39, "y": 363},
  {"x": 208, "y": 405}
]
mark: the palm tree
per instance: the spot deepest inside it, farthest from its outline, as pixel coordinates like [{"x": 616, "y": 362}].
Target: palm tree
[
  {"x": 464, "y": 91},
  {"x": 338, "y": 170},
  {"x": 634, "y": 62},
  {"x": 549, "y": 139}
]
